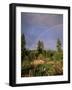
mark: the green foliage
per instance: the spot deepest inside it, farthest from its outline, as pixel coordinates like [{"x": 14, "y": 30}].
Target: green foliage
[
  {"x": 58, "y": 56},
  {"x": 40, "y": 57},
  {"x": 23, "y": 49},
  {"x": 23, "y": 42},
  {"x": 42, "y": 70},
  {"x": 40, "y": 47},
  {"x": 59, "y": 45},
  {"x": 52, "y": 60},
  {"x": 31, "y": 55},
  {"x": 46, "y": 69}
]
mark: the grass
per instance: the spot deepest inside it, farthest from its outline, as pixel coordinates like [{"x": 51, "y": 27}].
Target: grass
[{"x": 40, "y": 67}]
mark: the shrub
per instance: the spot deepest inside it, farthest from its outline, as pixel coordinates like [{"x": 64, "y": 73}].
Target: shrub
[
  {"x": 40, "y": 56},
  {"x": 58, "y": 66}
]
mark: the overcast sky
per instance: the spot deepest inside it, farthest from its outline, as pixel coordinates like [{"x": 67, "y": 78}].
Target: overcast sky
[{"x": 45, "y": 27}]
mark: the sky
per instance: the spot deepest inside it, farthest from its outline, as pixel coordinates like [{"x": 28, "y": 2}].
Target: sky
[{"x": 44, "y": 27}]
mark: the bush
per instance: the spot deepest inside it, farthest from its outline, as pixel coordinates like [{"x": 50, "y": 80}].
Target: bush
[
  {"x": 40, "y": 56},
  {"x": 43, "y": 70},
  {"x": 58, "y": 56},
  {"x": 26, "y": 68},
  {"x": 58, "y": 66}
]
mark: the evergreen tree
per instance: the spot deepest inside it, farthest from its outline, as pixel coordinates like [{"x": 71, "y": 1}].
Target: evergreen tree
[
  {"x": 59, "y": 45},
  {"x": 59, "y": 53},
  {"x": 23, "y": 41},
  {"x": 40, "y": 47},
  {"x": 23, "y": 49}
]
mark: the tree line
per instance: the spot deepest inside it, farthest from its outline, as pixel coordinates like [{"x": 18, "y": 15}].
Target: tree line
[{"x": 33, "y": 54}]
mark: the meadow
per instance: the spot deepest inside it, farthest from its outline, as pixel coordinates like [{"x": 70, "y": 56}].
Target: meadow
[{"x": 41, "y": 62}]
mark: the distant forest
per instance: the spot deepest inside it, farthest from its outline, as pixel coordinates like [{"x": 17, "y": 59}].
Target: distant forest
[{"x": 41, "y": 62}]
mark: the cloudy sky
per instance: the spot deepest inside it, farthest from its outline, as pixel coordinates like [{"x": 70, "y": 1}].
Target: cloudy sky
[{"x": 45, "y": 27}]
